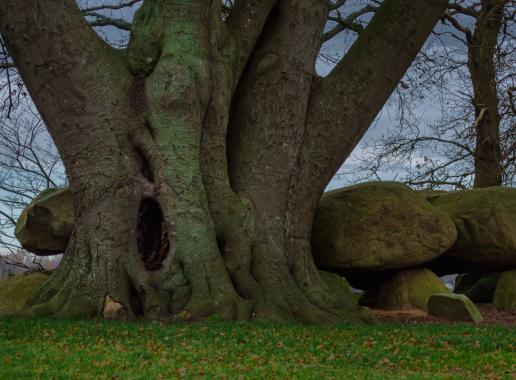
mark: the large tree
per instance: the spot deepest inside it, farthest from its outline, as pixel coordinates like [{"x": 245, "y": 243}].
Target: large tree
[{"x": 197, "y": 155}]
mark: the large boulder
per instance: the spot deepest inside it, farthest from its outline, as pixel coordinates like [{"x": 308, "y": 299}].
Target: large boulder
[
  {"x": 486, "y": 230},
  {"x": 454, "y": 306},
  {"x": 378, "y": 226},
  {"x": 349, "y": 299},
  {"x": 45, "y": 226},
  {"x": 15, "y": 291},
  {"x": 505, "y": 294},
  {"x": 409, "y": 289},
  {"x": 338, "y": 282},
  {"x": 477, "y": 286}
]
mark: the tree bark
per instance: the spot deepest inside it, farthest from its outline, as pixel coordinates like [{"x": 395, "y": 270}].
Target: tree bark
[
  {"x": 481, "y": 53},
  {"x": 196, "y": 156}
]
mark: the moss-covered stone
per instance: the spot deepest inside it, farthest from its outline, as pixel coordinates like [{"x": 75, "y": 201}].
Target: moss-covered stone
[
  {"x": 378, "y": 226},
  {"x": 46, "y": 224},
  {"x": 409, "y": 289},
  {"x": 454, "y": 306},
  {"x": 348, "y": 298},
  {"x": 478, "y": 287},
  {"x": 486, "y": 228},
  {"x": 428, "y": 194},
  {"x": 505, "y": 294},
  {"x": 15, "y": 291},
  {"x": 338, "y": 282}
]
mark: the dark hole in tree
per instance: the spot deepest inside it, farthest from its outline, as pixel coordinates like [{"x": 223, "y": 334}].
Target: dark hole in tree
[
  {"x": 152, "y": 234},
  {"x": 134, "y": 300}
]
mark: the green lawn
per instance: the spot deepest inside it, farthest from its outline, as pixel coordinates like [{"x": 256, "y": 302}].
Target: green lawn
[{"x": 46, "y": 348}]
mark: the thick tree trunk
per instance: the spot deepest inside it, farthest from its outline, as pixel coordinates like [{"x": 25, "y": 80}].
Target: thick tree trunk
[
  {"x": 195, "y": 157},
  {"x": 481, "y": 55}
]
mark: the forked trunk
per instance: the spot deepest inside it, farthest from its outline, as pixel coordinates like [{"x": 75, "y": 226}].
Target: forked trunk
[{"x": 196, "y": 155}]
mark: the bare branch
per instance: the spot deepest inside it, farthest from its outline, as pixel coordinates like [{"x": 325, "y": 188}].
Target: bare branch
[
  {"x": 457, "y": 25},
  {"x": 101, "y": 20},
  {"x": 126, "y": 4},
  {"x": 337, "y": 4},
  {"x": 512, "y": 104},
  {"x": 337, "y": 118},
  {"x": 348, "y": 23},
  {"x": 8, "y": 217},
  {"x": 468, "y": 11}
]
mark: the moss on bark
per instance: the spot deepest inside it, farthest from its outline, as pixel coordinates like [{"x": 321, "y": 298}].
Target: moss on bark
[{"x": 152, "y": 125}]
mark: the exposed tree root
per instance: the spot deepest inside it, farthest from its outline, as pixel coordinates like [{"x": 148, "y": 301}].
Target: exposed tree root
[{"x": 108, "y": 284}]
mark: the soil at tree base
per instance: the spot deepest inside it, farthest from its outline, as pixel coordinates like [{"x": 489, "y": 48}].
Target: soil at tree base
[{"x": 415, "y": 316}]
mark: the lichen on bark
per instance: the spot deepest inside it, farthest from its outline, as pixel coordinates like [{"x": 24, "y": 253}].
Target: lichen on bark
[{"x": 192, "y": 153}]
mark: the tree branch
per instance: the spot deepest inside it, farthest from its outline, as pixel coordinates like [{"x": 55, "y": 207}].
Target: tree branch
[
  {"x": 511, "y": 91},
  {"x": 441, "y": 140},
  {"x": 346, "y": 102},
  {"x": 337, "y": 4},
  {"x": 436, "y": 182},
  {"x": 68, "y": 70},
  {"x": 468, "y": 11},
  {"x": 457, "y": 25},
  {"x": 101, "y": 20},
  {"x": 349, "y": 22},
  {"x": 126, "y": 4},
  {"x": 246, "y": 21},
  {"x": 8, "y": 217}
]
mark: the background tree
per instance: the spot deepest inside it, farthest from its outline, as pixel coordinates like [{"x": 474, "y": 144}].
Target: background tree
[
  {"x": 467, "y": 71},
  {"x": 197, "y": 155},
  {"x": 29, "y": 163}
]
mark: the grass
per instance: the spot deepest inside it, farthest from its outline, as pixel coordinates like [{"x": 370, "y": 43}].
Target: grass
[
  {"x": 64, "y": 349},
  {"x": 16, "y": 290}
]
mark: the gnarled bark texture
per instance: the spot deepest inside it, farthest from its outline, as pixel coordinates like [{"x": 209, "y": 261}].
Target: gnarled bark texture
[{"x": 197, "y": 155}]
